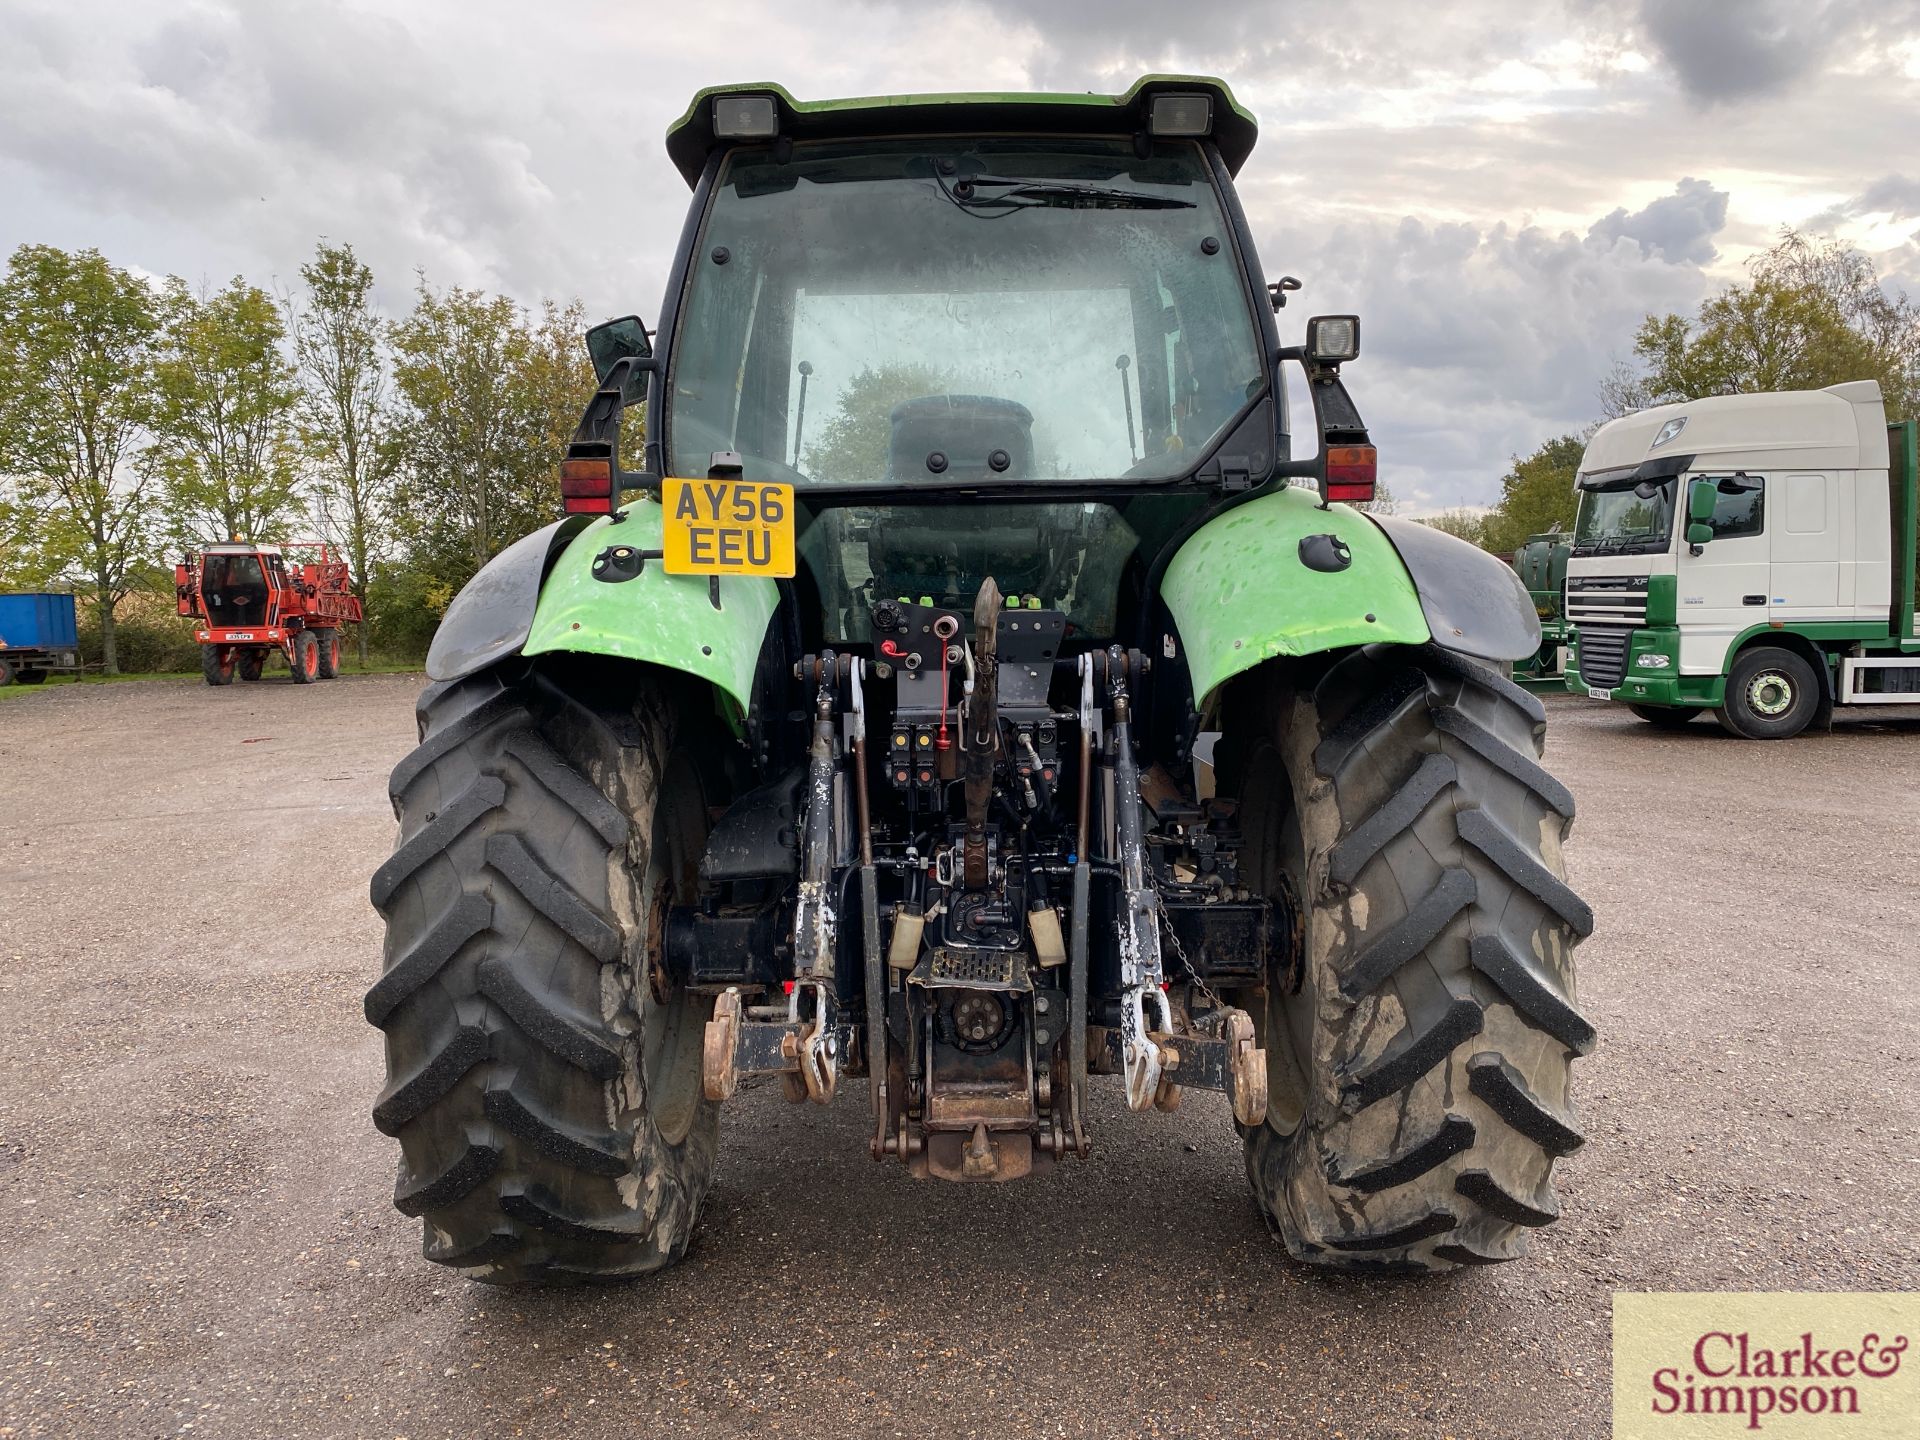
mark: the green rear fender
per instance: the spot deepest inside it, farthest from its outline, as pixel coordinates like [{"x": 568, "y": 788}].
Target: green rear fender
[
  {"x": 1240, "y": 594},
  {"x": 669, "y": 620}
]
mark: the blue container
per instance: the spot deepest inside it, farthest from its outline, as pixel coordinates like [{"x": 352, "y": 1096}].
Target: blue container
[{"x": 37, "y": 623}]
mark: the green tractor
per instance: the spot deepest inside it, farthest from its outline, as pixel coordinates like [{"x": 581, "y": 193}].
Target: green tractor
[
  {"x": 1541, "y": 563},
  {"x": 976, "y": 681}
]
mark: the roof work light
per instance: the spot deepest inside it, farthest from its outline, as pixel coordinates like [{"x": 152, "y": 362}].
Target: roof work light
[
  {"x": 745, "y": 117},
  {"x": 1180, "y": 115}
]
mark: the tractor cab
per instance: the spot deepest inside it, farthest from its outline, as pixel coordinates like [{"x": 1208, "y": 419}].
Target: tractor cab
[
  {"x": 237, "y": 587},
  {"x": 1063, "y": 322}
]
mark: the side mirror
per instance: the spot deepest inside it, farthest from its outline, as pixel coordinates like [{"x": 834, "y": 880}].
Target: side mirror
[
  {"x": 1702, "y": 496},
  {"x": 624, "y": 339}
]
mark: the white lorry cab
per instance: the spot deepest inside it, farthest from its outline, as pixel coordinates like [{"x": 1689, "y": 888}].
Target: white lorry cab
[{"x": 1752, "y": 555}]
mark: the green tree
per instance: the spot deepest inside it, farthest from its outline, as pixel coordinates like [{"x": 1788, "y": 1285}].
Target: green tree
[
  {"x": 76, "y": 349},
  {"x": 1468, "y": 525},
  {"x": 489, "y": 394},
  {"x": 857, "y": 439},
  {"x": 345, "y": 412},
  {"x": 224, "y": 402},
  {"x": 1813, "y": 313},
  {"x": 1384, "y": 501},
  {"x": 1534, "y": 493}
]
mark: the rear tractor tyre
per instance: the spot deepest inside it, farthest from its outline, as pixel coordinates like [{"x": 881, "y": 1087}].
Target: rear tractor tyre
[
  {"x": 1772, "y": 694},
  {"x": 329, "y": 643},
  {"x": 1666, "y": 717},
  {"x": 251, "y": 665},
  {"x": 216, "y": 664},
  {"x": 543, "y": 1070},
  {"x": 306, "y": 658},
  {"x": 1419, "y": 1058}
]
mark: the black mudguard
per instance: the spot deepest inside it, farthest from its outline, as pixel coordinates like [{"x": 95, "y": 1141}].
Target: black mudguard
[
  {"x": 1473, "y": 601},
  {"x": 492, "y": 615}
]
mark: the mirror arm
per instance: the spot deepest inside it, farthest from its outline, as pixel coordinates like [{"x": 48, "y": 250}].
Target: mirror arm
[
  {"x": 1336, "y": 418},
  {"x": 597, "y": 436}
]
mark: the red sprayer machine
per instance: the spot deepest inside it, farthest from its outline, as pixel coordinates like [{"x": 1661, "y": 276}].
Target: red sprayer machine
[{"x": 251, "y": 599}]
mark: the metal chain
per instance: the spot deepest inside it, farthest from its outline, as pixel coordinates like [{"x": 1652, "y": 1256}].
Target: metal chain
[{"x": 1180, "y": 953}]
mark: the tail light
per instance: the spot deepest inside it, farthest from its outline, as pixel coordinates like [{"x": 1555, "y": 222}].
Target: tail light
[
  {"x": 586, "y": 486},
  {"x": 1351, "y": 470}
]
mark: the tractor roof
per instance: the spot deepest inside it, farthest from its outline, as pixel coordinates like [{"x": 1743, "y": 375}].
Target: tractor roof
[{"x": 690, "y": 139}]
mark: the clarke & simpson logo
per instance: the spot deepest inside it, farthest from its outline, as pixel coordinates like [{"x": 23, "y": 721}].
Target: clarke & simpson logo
[
  {"x": 1729, "y": 1375},
  {"x": 1815, "y": 1364}
]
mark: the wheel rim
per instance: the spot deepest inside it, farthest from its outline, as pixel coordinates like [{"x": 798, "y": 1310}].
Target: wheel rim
[
  {"x": 1269, "y": 853},
  {"x": 1770, "y": 694},
  {"x": 671, "y": 1030},
  {"x": 311, "y": 659}
]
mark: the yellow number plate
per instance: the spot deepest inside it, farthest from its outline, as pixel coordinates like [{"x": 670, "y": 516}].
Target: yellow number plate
[{"x": 727, "y": 527}]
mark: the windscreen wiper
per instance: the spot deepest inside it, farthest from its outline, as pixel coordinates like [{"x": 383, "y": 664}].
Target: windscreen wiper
[{"x": 1002, "y": 194}]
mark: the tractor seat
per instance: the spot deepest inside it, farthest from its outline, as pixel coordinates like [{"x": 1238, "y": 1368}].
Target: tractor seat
[{"x": 967, "y": 431}]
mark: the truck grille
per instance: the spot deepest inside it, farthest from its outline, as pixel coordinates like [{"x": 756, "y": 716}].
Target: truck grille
[
  {"x": 1603, "y": 654},
  {"x": 1611, "y": 602}
]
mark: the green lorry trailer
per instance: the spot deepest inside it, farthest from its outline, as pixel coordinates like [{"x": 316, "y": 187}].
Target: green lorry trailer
[{"x": 1541, "y": 563}]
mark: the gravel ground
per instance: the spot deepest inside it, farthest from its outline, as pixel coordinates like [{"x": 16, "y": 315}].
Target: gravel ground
[{"x": 197, "y": 1236}]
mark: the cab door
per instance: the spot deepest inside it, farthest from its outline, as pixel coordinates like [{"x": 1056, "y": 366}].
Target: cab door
[
  {"x": 1806, "y": 547},
  {"x": 1727, "y": 588}
]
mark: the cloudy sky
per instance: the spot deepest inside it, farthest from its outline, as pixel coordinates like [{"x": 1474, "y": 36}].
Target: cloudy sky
[{"x": 1501, "y": 189}]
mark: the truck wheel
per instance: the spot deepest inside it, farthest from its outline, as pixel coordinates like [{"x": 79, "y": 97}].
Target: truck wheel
[
  {"x": 543, "y": 1074},
  {"x": 216, "y": 664},
  {"x": 1419, "y": 1057},
  {"x": 1666, "y": 717},
  {"x": 306, "y": 658},
  {"x": 329, "y": 642},
  {"x": 252, "y": 664},
  {"x": 32, "y": 677},
  {"x": 1772, "y": 694}
]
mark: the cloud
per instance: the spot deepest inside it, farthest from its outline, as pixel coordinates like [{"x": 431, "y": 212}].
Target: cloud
[
  {"x": 1894, "y": 196},
  {"x": 1677, "y": 228},
  {"x": 1475, "y": 179},
  {"x": 285, "y": 125},
  {"x": 1756, "y": 50},
  {"x": 1727, "y": 52},
  {"x": 1482, "y": 342}
]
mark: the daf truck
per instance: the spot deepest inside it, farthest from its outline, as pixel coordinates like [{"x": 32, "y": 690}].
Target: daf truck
[{"x": 1752, "y": 555}]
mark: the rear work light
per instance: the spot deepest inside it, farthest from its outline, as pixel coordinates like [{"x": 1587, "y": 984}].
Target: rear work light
[
  {"x": 586, "y": 487},
  {"x": 1333, "y": 339},
  {"x": 1351, "y": 470},
  {"x": 1180, "y": 115},
  {"x": 745, "y": 117}
]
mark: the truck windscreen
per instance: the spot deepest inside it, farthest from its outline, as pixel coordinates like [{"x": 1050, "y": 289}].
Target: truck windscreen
[
  {"x": 1635, "y": 518},
  {"x": 999, "y": 309}
]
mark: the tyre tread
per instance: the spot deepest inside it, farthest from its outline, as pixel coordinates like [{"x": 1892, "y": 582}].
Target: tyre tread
[
  {"x": 1428, "y": 763},
  {"x": 528, "y": 1148}
]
